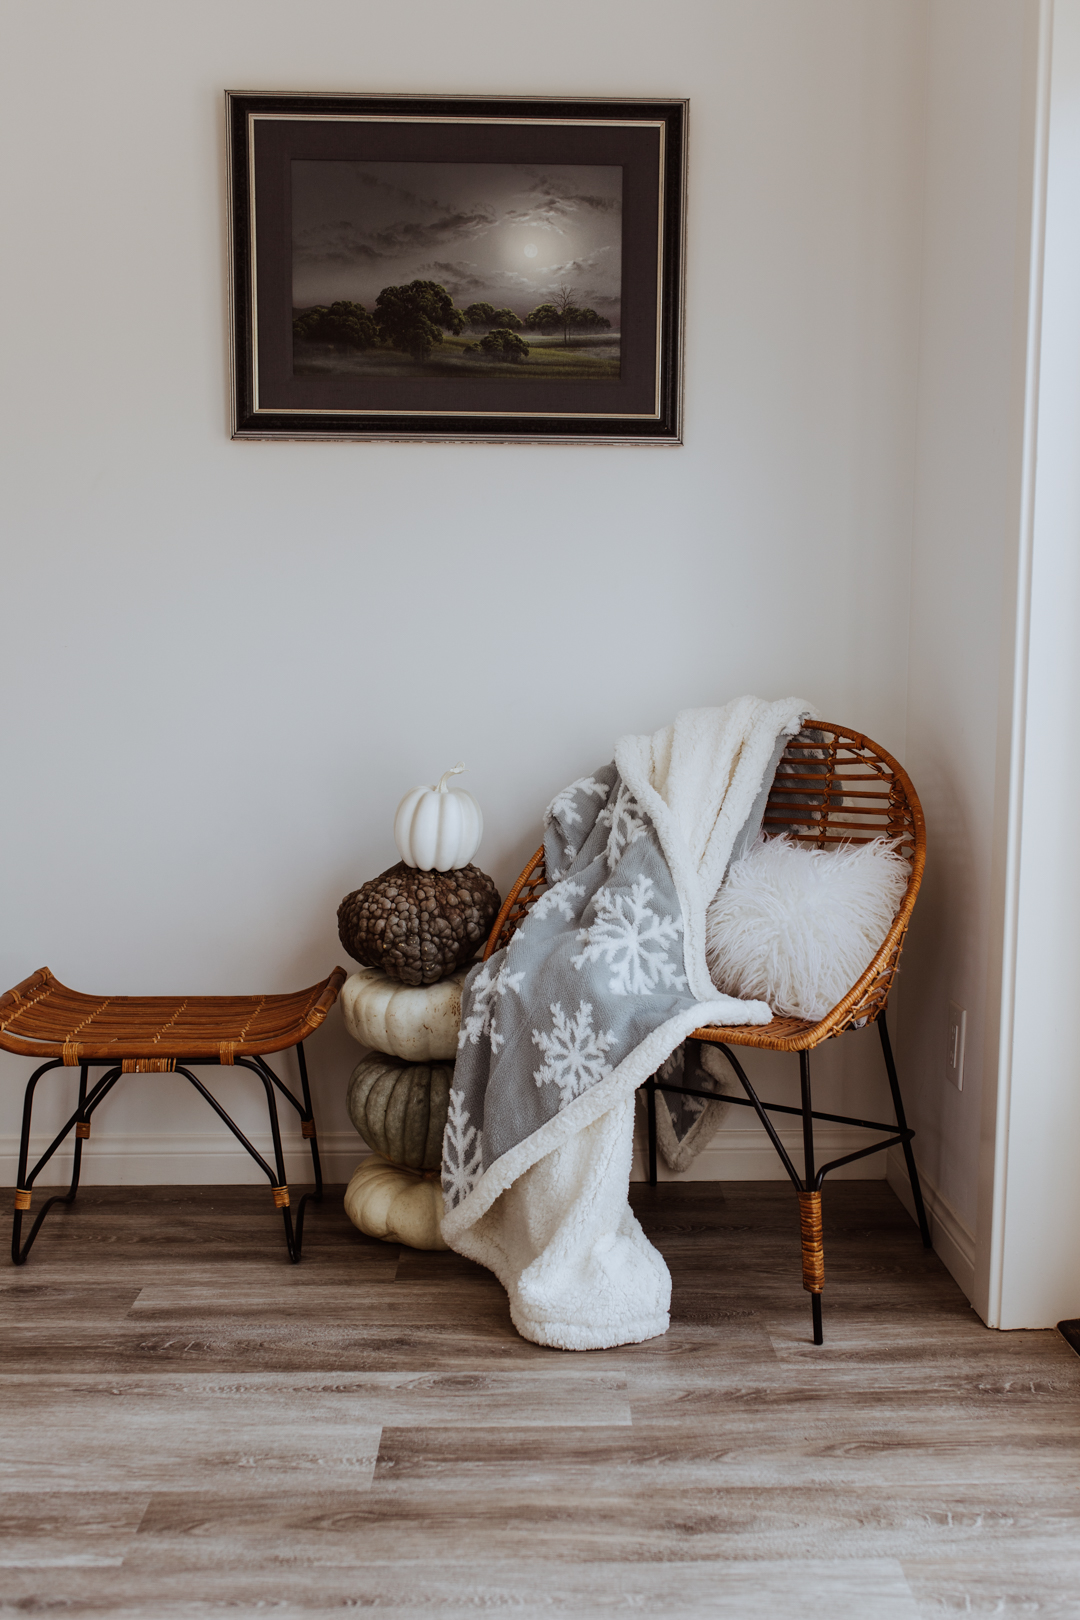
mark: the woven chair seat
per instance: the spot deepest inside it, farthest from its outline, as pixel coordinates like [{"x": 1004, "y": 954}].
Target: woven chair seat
[{"x": 41, "y": 1018}]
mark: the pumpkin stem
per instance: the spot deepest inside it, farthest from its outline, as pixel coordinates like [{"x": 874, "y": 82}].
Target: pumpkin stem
[{"x": 455, "y": 770}]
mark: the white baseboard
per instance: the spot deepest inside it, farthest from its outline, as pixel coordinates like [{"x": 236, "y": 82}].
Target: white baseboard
[
  {"x": 116, "y": 1159},
  {"x": 954, "y": 1241},
  {"x": 113, "y": 1159},
  {"x": 743, "y": 1155}
]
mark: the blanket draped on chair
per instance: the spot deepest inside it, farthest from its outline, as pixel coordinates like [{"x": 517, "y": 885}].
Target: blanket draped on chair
[{"x": 602, "y": 982}]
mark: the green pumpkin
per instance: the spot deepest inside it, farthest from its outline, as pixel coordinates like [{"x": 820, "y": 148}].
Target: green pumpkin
[{"x": 400, "y": 1108}]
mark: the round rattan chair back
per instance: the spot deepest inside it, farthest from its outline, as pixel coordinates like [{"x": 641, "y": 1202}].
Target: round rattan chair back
[{"x": 832, "y": 786}]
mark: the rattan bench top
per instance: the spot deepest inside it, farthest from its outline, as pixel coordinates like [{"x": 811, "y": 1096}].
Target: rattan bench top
[{"x": 41, "y": 1018}]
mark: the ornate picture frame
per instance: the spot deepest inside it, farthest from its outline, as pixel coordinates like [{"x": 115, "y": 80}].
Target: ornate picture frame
[{"x": 462, "y": 268}]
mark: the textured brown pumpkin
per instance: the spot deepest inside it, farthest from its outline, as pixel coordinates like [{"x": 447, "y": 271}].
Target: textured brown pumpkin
[
  {"x": 400, "y": 1108},
  {"x": 418, "y": 926}
]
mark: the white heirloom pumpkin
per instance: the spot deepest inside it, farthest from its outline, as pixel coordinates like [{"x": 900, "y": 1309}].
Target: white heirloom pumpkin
[
  {"x": 419, "y": 1023},
  {"x": 396, "y": 1205},
  {"x": 438, "y": 829}
]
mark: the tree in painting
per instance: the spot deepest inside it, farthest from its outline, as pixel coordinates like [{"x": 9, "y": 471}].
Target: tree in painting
[
  {"x": 502, "y": 344},
  {"x": 563, "y": 315},
  {"x": 481, "y": 316},
  {"x": 346, "y": 325},
  {"x": 411, "y": 319}
]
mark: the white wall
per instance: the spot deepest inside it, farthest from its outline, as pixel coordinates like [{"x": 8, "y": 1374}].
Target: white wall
[
  {"x": 979, "y": 155},
  {"x": 224, "y": 662}
]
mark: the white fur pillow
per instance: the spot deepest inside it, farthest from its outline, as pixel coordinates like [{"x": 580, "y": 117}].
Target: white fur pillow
[{"x": 796, "y": 926}]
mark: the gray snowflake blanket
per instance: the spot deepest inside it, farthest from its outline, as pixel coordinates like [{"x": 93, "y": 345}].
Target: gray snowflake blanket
[{"x": 600, "y": 985}]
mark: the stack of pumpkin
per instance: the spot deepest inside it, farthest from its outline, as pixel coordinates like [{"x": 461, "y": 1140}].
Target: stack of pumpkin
[{"x": 412, "y": 929}]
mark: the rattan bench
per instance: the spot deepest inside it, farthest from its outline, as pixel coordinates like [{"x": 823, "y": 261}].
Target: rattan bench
[
  {"x": 41, "y": 1018},
  {"x": 832, "y": 786}
]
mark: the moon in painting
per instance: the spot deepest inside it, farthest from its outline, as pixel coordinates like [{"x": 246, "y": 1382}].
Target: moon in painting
[{"x": 530, "y": 250}]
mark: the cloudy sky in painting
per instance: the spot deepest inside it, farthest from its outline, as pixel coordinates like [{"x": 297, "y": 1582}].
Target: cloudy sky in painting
[{"x": 505, "y": 233}]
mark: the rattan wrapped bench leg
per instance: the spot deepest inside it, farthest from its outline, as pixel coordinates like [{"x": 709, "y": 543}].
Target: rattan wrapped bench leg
[{"x": 129, "y": 1035}]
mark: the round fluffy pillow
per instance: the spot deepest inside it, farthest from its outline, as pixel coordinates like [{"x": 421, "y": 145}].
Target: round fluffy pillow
[
  {"x": 396, "y": 1205},
  {"x": 797, "y": 926}
]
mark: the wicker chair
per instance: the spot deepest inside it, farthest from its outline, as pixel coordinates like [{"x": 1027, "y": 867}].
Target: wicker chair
[{"x": 832, "y": 786}]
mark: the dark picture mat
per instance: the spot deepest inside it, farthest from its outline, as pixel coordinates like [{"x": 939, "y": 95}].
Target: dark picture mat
[
  {"x": 635, "y": 151},
  {"x": 641, "y": 403}
]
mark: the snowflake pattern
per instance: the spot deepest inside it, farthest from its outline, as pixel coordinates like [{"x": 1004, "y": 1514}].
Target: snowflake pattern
[
  {"x": 627, "y": 822},
  {"x": 463, "y": 1152},
  {"x": 480, "y": 1020},
  {"x": 632, "y": 939},
  {"x": 562, "y": 805},
  {"x": 559, "y": 898},
  {"x": 574, "y": 1052}
]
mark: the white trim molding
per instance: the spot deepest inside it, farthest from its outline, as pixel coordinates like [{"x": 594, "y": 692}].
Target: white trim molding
[
  {"x": 953, "y": 1239},
  {"x": 198, "y": 1159},
  {"x": 743, "y": 1155}
]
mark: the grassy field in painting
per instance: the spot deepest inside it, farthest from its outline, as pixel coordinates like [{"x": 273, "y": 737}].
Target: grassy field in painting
[{"x": 586, "y": 359}]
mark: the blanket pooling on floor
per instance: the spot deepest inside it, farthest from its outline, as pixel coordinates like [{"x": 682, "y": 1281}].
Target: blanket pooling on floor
[{"x": 602, "y": 982}]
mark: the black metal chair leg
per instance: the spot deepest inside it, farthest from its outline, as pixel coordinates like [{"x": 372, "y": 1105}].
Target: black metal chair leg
[
  {"x": 650, "y": 1109},
  {"x": 902, "y": 1125},
  {"x": 815, "y": 1311},
  {"x": 810, "y": 1207}
]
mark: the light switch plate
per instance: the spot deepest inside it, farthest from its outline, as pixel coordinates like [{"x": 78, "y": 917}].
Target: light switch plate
[{"x": 954, "y": 1046}]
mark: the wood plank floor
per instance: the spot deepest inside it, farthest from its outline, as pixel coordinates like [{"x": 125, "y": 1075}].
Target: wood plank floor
[{"x": 193, "y": 1427}]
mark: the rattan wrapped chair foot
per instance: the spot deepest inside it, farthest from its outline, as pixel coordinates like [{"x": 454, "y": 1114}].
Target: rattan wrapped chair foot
[
  {"x": 122, "y": 1035},
  {"x": 832, "y": 786}
]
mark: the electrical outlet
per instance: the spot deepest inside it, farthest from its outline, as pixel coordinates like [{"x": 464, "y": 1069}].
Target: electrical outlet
[{"x": 954, "y": 1047}]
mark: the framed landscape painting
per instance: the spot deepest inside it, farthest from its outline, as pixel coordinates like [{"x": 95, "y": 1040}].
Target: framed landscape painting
[{"x": 449, "y": 268}]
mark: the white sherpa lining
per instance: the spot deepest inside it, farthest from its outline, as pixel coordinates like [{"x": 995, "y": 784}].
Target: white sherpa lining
[
  {"x": 579, "y": 1272},
  {"x": 680, "y": 774}
]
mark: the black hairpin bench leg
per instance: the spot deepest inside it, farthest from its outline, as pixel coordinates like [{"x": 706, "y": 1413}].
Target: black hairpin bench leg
[
  {"x": 80, "y": 1123},
  {"x": 307, "y": 1128},
  {"x": 25, "y": 1177},
  {"x": 279, "y": 1185}
]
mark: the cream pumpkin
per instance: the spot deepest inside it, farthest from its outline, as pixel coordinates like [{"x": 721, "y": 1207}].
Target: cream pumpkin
[
  {"x": 438, "y": 829},
  {"x": 418, "y": 1023},
  {"x": 398, "y": 1206}
]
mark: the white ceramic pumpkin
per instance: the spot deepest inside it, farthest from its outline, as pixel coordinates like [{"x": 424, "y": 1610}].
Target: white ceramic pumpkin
[
  {"x": 418, "y": 1023},
  {"x": 396, "y": 1205},
  {"x": 438, "y": 829}
]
